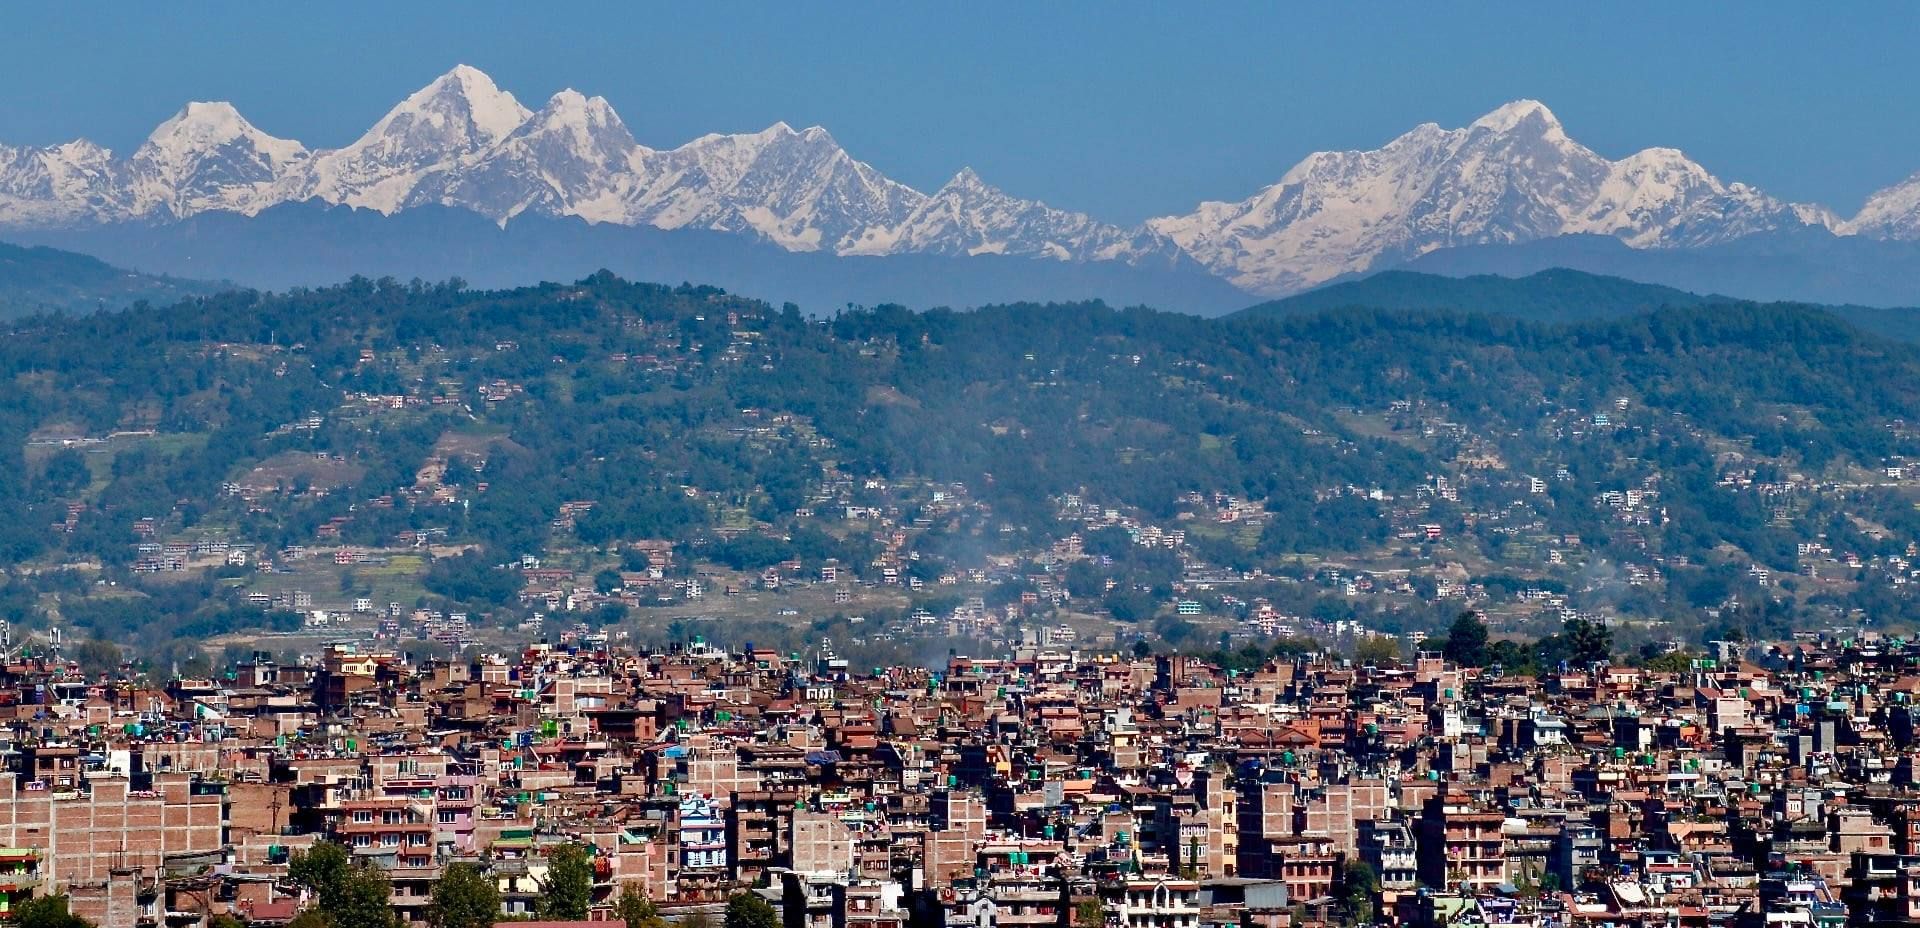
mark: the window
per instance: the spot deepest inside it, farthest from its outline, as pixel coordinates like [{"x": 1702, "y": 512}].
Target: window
[
  {"x": 362, "y": 841},
  {"x": 363, "y": 816},
  {"x": 447, "y": 816},
  {"x": 390, "y": 839},
  {"x": 417, "y": 839}
]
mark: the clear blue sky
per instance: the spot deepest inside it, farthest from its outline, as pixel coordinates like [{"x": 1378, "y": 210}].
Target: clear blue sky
[{"x": 1122, "y": 109}]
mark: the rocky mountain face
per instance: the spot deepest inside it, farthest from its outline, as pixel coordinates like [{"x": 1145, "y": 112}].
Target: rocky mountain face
[{"x": 1512, "y": 176}]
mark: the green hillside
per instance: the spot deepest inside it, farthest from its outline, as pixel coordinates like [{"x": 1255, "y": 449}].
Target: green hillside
[
  {"x": 48, "y": 280},
  {"x": 1662, "y": 465}
]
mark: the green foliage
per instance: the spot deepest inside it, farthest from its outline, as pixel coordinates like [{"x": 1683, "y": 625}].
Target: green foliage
[
  {"x": 748, "y": 910},
  {"x": 1467, "y": 641},
  {"x": 65, "y": 471},
  {"x": 1089, "y": 913},
  {"x": 47, "y": 280},
  {"x": 606, "y": 581},
  {"x": 348, "y": 893},
  {"x": 1556, "y": 295},
  {"x": 47, "y": 912},
  {"x": 324, "y": 869},
  {"x": 1587, "y": 641},
  {"x": 471, "y": 578},
  {"x": 464, "y": 897},
  {"x": 1362, "y": 891},
  {"x": 98, "y": 657},
  {"x": 1378, "y": 650},
  {"x": 568, "y": 891},
  {"x": 719, "y": 443},
  {"x": 635, "y": 910}
]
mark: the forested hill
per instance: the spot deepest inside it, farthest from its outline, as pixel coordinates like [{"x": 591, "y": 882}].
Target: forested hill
[
  {"x": 1552, "y": 295},
  {"x": 48, "y": 280},
  {"x": 1696, "y": 443}
]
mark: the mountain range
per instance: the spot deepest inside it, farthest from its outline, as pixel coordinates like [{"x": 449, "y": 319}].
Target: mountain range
[{"x": 1511, "y": 178}]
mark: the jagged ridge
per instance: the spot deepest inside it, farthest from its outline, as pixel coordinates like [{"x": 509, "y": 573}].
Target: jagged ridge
[{"x": 1512, "y": 176}]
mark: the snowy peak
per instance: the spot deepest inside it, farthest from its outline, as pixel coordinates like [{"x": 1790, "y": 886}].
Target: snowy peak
[
  {"x": 967, "y": 180},
  {"x": 469, "y": 99},
  {"x": 799, "y": 190},
  {"x": 204, "y": 125},
  {"x": 1891, "y": 213},
  {"x": 1520, "y": 114},
  {"x": 460, "y": 114},
  {"x": 967, "y": 216},
  {"x": 1512, "y": 175},
  {"x": 72, "y": 182},
  {"x": 208, "y": 157},
  {"x": 572, "y": 158},
  {"x": 460, "y": 111}
]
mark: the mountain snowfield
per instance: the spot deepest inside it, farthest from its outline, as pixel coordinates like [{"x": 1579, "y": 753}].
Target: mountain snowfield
[{"x": 1512, "y": 176}]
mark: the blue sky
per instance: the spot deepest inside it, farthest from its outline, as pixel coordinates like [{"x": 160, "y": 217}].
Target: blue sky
[{"x": 1122, "y": 109}]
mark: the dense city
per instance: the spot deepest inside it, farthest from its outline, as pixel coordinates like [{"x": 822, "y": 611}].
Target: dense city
[
  {"x": 1765, "y": 785},
  {"x": 492, "y": 512}
]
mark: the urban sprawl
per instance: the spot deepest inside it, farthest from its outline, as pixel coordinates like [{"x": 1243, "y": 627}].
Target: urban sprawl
[{"x": 1761, "y": 784}]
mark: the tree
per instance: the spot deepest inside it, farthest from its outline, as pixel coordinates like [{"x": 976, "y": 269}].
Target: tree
[
  {"x": 1672, "y": 662},
  {"x": 47, "y": 912},
  {"x": 748, "y": 910},
  {"x": 1467, "y": 641},
  {"x": 66, "y": 471},
  {"x": 324, "y": 869},
  {"x": 569, "y": 884},
  {"x": 697, "y": 919},
  {"x": 464, "y": 897},
  {"x": 606, "y": 581},
  {"x": 366, "y": 900},
  {"x": 1142, "y": 650},
  {"x": 224, "y": 920},
  {"x": 98, "y": 656},
  {"x": 1362, "y": 888},
  {"x": 1089, "y": 913},
  {"x": 636, "y": 910},
  {"x": 310, "y": 918},
  {"x": 1588, "y": 641},
  {"x": 347, "y": 893},
  {"x": 1378, "y": 650}
]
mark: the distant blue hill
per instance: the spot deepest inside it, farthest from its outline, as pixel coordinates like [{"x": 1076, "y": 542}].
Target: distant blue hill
[
  {"x": 309, "y": 244},
  {"x": 1809, "y": 266},
  {"x": 1552, "y": 295},
  {"x": 48, "y": 280}
]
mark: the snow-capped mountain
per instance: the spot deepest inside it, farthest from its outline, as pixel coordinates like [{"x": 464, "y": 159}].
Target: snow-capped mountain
[
  {"x": 572, "y": 158},
  {"x": 969, "y": 217},
  {"x": 459, "y": 116},
  {"x": 207, "y": 157},
  {"x": 58, "y": 184},
  {"x": 1893, "y": 212},
  {"x": 1513, "y": 175},
  {"x": 797, "y": 189}
]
